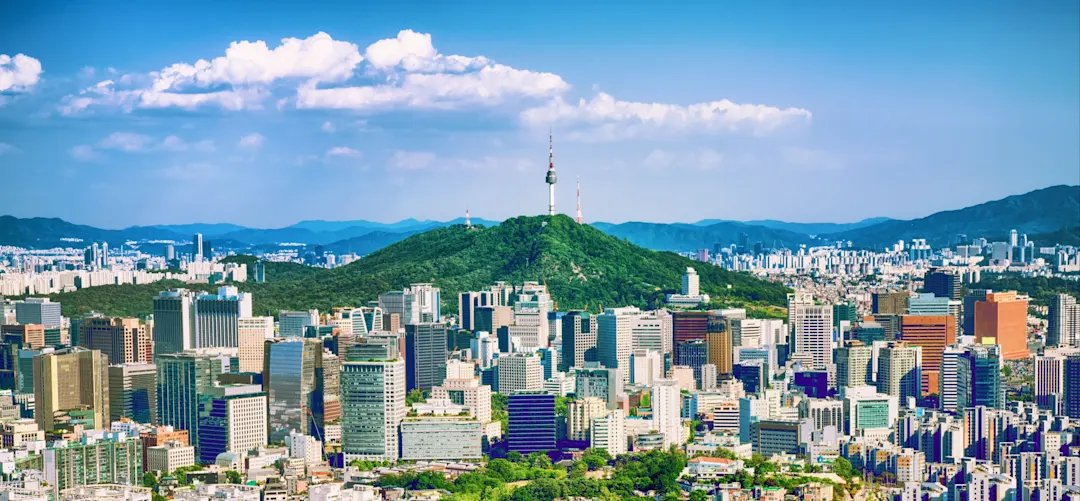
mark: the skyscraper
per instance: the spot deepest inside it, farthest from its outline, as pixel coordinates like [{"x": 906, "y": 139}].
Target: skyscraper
[
  {"x": 532, "y": 422},
  {"x": 614, "y": 338},
  {"x": 580, "y": 414},
  {"x": 197, "y": 247},
  {"x": 294, "y": 323},
  {"x": 252, "y": 333},
  {"x": 933, "y": 334},
  {"x": 72, "y": 379},
  {"x": 579, "y": 339},
  {"x": 183, "y": 383},
  {"x": 899, "y": 367},
  {"x": 954, "y": 383},
  {"x": 1071, "y": 402},
  {"x": 373, "y": 405},
  {"x": 811, "y": 328},
  {"x": 942, "y": 283},
  {"x": 1002, "y": 319},
  {"x": 693, "y": 354},
  {"x": 854, "y": 364},
  {"x": 666, "y": 418},
  {"x": 973, "y": 296},
  {"x": 889, "y": 303},
  {"x": 174, "y": 321},
  {"x": 217, "y": 318},
  {"x": 425, "y": 355},
  {"x": 606, "y": 384},
  {"x": 289, "y": 382},
  {"x": 688, "y": 326},
  {"x": 519, "y": 372},
  {"x": 928, "y": 303},
  {"x": 721, "y": 344},
  {"x": 133, "y": 392},
  {"x": 646, "y": 366},
  {"x": 232, "y": 419},
  {"x": 1050, "y": 378},
  {"x": 984, "y": 362},
  {"x": 38, "y": 310},
  {"x": 123, "y": 340},
  {"x": 1063, "y": 322}
]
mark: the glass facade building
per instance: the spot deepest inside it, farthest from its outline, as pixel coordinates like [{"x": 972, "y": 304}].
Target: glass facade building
[
  {"x": 532, "y": 422},
  {"x": 289, "y": 382}
]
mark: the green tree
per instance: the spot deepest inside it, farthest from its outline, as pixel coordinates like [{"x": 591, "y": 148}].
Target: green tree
[
  {"x": 698, "y": 495},
  {"x": 234, "y": 477},
  {"x": 149, "y": 480},
  {"x": 415, "y": 395}
]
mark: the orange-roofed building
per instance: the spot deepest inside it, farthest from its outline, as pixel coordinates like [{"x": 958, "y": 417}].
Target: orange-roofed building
[
  {"x": 933, "y": 333},
  {"x": 1002, "y": 320}
]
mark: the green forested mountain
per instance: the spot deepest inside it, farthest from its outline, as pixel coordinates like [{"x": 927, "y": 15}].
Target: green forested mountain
[{"x": 582, "y": 267}]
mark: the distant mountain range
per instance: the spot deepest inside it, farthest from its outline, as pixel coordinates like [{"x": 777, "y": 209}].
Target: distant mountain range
[{"x": 1052, "y": 213}]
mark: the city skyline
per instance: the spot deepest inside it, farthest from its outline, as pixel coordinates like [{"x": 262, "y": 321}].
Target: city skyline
[{"x": 820, "y": 104}]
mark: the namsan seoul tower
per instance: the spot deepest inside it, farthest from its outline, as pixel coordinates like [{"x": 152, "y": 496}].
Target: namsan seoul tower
[{"x": 551, "y": 177}]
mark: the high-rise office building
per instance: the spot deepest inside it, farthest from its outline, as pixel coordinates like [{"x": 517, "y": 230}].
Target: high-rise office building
[
  {"x": 252, "y": 333},
  {"x": 708, "y": 377},
  {"x": 197, "y": 248},
  {"x": 651, "y": 330},
  {"x": 373, "y": 405},
  {"x": 290, "y": 385},
  {"x": 954, "y": 382},
  {"x": 1063, "y": 322},
  {"x": 889, "y": 303},
  {"x": 69, "y": 383},
  {"x": 38, "y": 310},
  {"x": 1050, "y": 378},
  {"x": 844, "y": 312},
  {"x": 614, "y": 338},
  {"x": 519, "y": 372},
  {"x": 1070, "y": 405},
  {"x": 811, "y": 328},
  {"x": 688, "y": 326},
  {"x": 854, "y": 364},
  {"x": 606, "y": 384},
  {"x": 183, "y": 383},
  {"x": 579, "y": 339},
  {"x": 428, "y": 303},
  {"x": 927, "y": 303},
  {"x": 133, "y": 392},
  {"x": 402, "y": 303},
  {"x": 933, "y": 334},
  {"x": 899, "y": 367},
  {"x": 666, "y": 417},
  {"x": 123, "y": 340},
  {"x": 580, "y": 414},
  {"x": 232, "y": 419},
  {"x": 468, "y": 392},
  {"x": 532, "y": 422},
  {"x": 942, "y": 283},
  {"x": 721, "y": 346},
  {"x": 1002, "y": 319},
  {"x": 492, "y": 318},
  {"x": 425, "y": 355},
  {"x": 295, "y": 323},
  {"x": 646, "y": 366},
  {"x": 691, "y": 283},
  {"x": 174, "y": 321},
  {"x": 27, "y": 336},
  {"x": 467, "y": 304},
  {"x": 693, "y": 354},
  {"x": 373, "y": 320},
  {"x": 984, "y": 363},
  {"x": 609, "y": 433},
  {"x": 973, "y": 296},
  {"x": 217, "y": 317}
]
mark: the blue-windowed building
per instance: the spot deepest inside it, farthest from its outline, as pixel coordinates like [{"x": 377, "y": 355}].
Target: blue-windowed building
[{"x": 532, "y": 422}]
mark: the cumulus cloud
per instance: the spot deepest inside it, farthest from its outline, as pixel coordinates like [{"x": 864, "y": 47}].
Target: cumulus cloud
[
  {"x": 85, "y": 153},
  {"x": 704, "y": 159},
  {"x": 606, "y": 118},
  {"x": 19, "y": 73},
  {"x": 126, "y": 141},
  {"x": 236, "y": 81},
  {"x": 252, "y": 141},
  {"x": 343, "y": 151}
]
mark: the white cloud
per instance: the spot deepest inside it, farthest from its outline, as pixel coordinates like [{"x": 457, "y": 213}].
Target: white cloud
[
  {"x": 414, "y": 52},
  {"x": 343, "y": 151},
  {"x": 252, "y": 141},
  {"x": 606, "y": 118},
  {"x": 85, "y": 153},
  {"x": 126, "y": 141},
  {"x": 6, "y": 149},
  {"x": 703, "y": 159},
  {"x": 328, "y": 127},
  {"x": 411, "y": 160},
  {"x": 19, "y": 73}
]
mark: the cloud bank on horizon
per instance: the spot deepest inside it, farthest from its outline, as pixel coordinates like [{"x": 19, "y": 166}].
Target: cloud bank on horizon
[{"x": 315, "y": 125}]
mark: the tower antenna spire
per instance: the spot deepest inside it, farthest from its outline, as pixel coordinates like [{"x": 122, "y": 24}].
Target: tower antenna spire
[
  {"x": 579, "y": 218},
  {"x": 468, "y": 222},
  {"x": 550, "y": 179}
]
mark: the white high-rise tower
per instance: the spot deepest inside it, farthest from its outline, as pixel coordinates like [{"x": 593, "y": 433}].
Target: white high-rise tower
[
  {"x": 551, "y": 178},
  {"x": 579, "y": 218}
]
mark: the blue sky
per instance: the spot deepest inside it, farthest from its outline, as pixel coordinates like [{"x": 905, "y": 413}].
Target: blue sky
[{"x": 781, "y": 110}]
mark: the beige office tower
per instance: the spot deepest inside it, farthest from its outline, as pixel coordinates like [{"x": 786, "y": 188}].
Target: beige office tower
[
  {"x": 811, "y": 327},
  {"x": 252, "y": 335},
  {"x": 133, "y": 392},
  {"x": 73, "y": 380},
  {"x": 123, "y": 340},
  {"x": 580, "y": 415},
  {"x": 900, "y": 370}
]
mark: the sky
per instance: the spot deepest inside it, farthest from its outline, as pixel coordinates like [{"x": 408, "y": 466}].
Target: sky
[{"x": 268, "y": 113}]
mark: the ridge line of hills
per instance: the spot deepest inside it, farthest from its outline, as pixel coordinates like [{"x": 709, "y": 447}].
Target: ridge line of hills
[{"x": 1052, "y": 212}]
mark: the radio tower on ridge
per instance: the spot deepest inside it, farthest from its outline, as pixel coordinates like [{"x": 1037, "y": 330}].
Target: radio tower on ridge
[
  {"x": 468, "y": 222},
  {"x": 579, "y": 218},
  {"x": 550, "y": 179}
]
